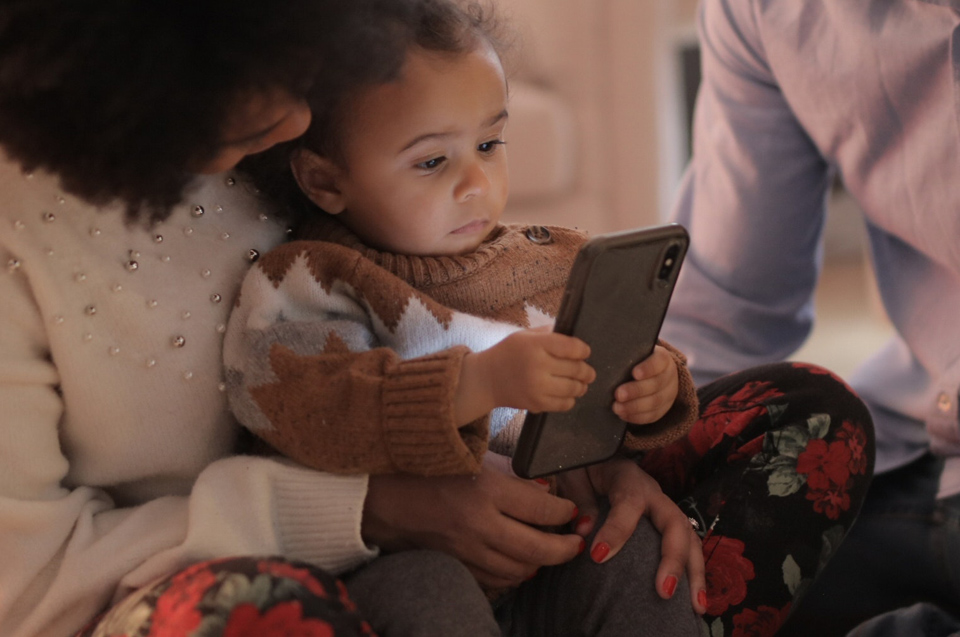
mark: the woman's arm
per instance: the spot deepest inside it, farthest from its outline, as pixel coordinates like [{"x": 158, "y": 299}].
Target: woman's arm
[{"x": 67, "y": 550}]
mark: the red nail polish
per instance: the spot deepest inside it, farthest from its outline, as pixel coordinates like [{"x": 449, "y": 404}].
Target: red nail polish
[
  {"x": 599, "y": 552},
  {"x": 669, "y": 586},
  {"x": 576, "y": 514},
  {"x": 702, "y": 598},
  {"x": 542, "y": 481},
  {"x": 532, "y": 575},
  {"x": 584, "y": 520},
  {"x": 583, "y": 546}
]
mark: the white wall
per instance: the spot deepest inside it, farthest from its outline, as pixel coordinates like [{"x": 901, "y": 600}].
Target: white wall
[{"x": 612, "y": 62}]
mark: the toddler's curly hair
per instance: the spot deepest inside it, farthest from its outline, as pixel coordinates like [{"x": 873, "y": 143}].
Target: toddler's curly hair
[
  {"x": 119, "y": 97},
  {"x": 441, "y": 26}
]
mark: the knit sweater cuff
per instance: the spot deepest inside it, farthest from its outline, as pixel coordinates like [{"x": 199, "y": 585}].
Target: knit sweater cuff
[
  {"x": 334, "y": 504},
  {"x": 419, "y": 428},
  {"x": 675, "y": 423}
]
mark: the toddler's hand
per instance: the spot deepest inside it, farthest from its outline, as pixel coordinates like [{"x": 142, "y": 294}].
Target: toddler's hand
[
  {"x": 648, "y": 397},
  {"x": 538, "y": 370}
]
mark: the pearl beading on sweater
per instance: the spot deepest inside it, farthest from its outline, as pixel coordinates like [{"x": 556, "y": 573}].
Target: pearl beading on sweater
[{"x": 138, "y": 258}]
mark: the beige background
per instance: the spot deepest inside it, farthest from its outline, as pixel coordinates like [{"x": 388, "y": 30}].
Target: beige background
[{"x": 596, "y": 138}]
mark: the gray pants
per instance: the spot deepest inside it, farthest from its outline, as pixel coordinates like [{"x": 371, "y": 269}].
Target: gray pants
[
  {"x": 427, "y": 594},
  {"x": 615, "y": 599},
  {"x": 421, "y": 594}
]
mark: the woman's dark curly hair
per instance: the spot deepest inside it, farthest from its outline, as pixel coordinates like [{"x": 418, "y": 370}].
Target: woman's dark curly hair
[
  {"x": 118, "y": 97},
  {"x": 442, "y": 26}
]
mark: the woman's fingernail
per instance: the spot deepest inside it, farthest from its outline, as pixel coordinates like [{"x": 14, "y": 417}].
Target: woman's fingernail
[
  {"x": 532, "y": 575},
  {"x": 669, "y": 586},
  {"x": 702, "y": 598},
  {"x": 542, "y": 481},
  {"x": 576, "y": 514},
  {"x": 600, "y": 552}
]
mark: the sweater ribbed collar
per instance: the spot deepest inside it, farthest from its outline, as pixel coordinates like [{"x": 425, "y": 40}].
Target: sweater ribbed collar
[{"x": 419, "y": 271}]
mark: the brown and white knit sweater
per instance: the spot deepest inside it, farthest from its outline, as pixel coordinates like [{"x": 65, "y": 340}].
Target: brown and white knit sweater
[{"x": 346, "y": 359}]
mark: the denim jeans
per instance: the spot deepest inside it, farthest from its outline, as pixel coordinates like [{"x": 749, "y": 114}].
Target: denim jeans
[{"x": 903, "y": 550}]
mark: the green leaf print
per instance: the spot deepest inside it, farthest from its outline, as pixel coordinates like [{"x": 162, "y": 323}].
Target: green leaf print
[
  {"x": 785, "y": 481},
  {"x": 775, "y": 411},
  {"x": 236, "y": 588},
  {"x": 819, "y": 425},
  {"x": 789, "y": 442},
  {"x": 792, "y": 576},
  {"x": 711, "y": 630}
]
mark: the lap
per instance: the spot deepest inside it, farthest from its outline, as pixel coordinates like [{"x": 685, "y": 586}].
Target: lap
[
  {"x": 773, "y": 471},
  {"x": 421, "y": 594},
  {"x": 410, "y": 594},
  {"x": 615, "y": 598}
]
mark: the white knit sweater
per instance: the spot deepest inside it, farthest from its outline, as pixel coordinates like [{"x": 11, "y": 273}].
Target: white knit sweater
[{"x": 115, "y": 441}]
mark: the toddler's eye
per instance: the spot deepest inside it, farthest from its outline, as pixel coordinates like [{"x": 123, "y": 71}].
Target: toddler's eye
[
  {"x": 489, "y": 147},
  {"x": 431, "y": 164}
]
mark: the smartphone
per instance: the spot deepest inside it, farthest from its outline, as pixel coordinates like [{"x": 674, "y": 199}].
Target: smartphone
[{"x": 616, "y": 297}]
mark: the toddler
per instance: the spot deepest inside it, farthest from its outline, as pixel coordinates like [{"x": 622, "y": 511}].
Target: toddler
[{"x": 408, "y": 327}]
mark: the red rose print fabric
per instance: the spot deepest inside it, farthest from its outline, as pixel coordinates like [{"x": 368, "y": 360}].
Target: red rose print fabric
[
  {"x": 773, "y": 474},
  {"x": 239, "y": 597}
]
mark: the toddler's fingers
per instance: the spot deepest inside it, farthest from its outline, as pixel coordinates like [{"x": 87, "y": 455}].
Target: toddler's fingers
[
  {"x": 566, "y": 388},
  {"x": 563, "y": 346},
  {"x": 573, "y": 370},
  {"x": 642, "y": 388},
  {"x": 644, "y": 417},
  {"x": 657, "y": 363}
]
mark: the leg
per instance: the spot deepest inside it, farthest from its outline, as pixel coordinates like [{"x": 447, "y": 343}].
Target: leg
[
  {"x": 421, "y": 593},
  {"x": 919, "y": 539},
  {"x": 919, "y": 619},
  {"x": 774, "y": 473},
  {"x": 612, "y": 599},
  {"x": 237, "y": 596}
]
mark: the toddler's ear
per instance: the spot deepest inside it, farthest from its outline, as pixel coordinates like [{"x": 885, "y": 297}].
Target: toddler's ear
[{"x": 318, "y": 177}]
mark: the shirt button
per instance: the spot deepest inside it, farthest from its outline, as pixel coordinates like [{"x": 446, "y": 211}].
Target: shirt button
[
  {"x": 539, "y": 235},
  {"x": 944, "y": 402}
]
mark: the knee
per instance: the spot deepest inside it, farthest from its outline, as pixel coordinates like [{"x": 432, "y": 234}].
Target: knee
[
  {"x": 639, "y": 558},
  {"x": 435, "y": 565}
]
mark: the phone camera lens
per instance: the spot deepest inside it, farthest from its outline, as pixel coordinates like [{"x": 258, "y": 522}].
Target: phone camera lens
[{"x": 669, "y": 259}]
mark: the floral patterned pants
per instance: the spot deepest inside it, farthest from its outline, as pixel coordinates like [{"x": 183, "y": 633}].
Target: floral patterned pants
[
  {"x": 237, "y": 597},
  {"x": 772, "y": 475}
]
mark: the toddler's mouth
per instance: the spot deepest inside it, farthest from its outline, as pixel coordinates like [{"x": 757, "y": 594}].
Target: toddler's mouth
[{"x": 473, "y": 226}]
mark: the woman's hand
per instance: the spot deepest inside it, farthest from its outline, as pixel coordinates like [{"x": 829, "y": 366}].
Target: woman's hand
[
  {"x": 653, "y": 390},
  {"x": 487, "y": 521},
  {"x": 632, "y": 493}
]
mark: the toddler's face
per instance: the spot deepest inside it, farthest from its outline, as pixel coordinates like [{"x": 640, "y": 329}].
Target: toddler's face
[{"x": 426, "y": 169}]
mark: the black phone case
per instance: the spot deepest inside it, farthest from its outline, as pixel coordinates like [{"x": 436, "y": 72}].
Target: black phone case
[{"x": 615, "y": 301}]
